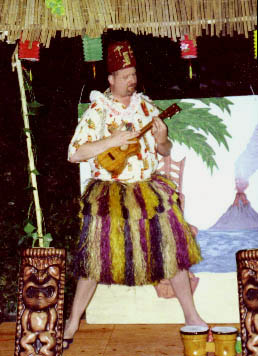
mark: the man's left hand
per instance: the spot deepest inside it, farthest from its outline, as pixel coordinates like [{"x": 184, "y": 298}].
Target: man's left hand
[
  {"x": 160, "y": 133},
  {"x": 159, "y": 130}
]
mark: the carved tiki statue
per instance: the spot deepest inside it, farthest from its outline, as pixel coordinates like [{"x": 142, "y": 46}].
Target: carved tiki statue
[
  {"x": 39, "y": 326},
  {"x": 247, "y": 275}
]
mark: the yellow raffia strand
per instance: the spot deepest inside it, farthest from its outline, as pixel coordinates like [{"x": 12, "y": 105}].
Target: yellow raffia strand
[
  {"x": 193, "y": 249},
  {"x": 150, "y": 199},
  {"x": 255, "y": 44},
  {"x": 81, "y": 214},
  {"x": 138, "y": 257},
  {"x": 169, "y": 182},
  {"x": 116, "y": 234},
  {"x": 93, "y": 198},
  {"x": 168, "y": 247},
  {"x": 131, "y": 203},
  {"x": 94, "y": 264}
]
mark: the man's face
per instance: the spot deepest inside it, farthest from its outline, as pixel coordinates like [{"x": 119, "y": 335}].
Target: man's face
[{"x": 123, "y": 82}]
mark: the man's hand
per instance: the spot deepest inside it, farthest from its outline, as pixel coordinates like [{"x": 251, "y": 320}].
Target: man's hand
[
  {"x": 119, "y": 138},
  {"x": 159, "y": 130},
  {"x": 160, "y": 133},
  {"x": 91, "y": 149}
]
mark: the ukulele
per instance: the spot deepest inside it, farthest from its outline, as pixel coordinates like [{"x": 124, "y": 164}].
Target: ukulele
[{"x": 115, "y": 159}]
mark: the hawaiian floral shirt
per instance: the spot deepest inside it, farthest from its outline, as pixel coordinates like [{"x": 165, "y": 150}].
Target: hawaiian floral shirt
[{"x": 106, "y": 114}]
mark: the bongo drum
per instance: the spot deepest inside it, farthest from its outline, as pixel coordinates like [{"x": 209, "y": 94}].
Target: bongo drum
[
  {"x": 225, "y": 340},
  {"x": 194, "y": 338}
]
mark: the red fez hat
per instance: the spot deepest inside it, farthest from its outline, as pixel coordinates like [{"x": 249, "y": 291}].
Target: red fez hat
[{"x": 120, "y": 56}]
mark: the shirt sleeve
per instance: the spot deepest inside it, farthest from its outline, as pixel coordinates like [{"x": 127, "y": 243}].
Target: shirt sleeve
[{"x": 90, "y": 128}]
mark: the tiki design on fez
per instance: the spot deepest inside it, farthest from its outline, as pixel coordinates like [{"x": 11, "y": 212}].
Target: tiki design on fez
[
  {"x": 40, "y": 305},
  {"x": 247, "y": 262},
  {"x": 126, "y": 55}
]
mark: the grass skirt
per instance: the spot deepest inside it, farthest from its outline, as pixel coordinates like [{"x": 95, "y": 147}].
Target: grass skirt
[{"x": 134, "y": 233}]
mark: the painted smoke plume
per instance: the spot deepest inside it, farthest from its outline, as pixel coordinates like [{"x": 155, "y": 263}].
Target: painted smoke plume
[{"x": 240, "y": 215}]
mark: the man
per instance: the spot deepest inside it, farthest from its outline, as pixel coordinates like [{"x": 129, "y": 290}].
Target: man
[{"x": 133, "y": 230}]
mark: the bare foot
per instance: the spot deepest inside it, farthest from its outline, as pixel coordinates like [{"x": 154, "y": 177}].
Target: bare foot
[
  {"x": 195, "y": 321},
  {"x": 70, "y": 329}
]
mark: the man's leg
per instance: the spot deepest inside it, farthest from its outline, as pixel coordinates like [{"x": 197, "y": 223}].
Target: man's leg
[
  {"x": 84, "y": 292},
  {"x": 182, "y": 288}
]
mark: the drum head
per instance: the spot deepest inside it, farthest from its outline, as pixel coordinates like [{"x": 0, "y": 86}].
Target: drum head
[
  {"x": 224, "y": 330},
  {"x": 194, "y": 329}
]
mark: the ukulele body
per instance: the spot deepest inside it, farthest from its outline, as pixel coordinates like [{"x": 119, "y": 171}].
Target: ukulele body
[{"x": 115, "y": 159}]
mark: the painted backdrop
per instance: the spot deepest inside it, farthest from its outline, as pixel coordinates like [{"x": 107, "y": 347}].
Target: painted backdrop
[{"x": 223, "y": 206}]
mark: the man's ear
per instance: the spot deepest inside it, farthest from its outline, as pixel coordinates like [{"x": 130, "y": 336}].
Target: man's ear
[{"x": 111, "y": 79}]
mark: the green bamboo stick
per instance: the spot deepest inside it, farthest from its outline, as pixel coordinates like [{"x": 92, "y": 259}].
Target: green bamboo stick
[{"x": 30, "y": 151}]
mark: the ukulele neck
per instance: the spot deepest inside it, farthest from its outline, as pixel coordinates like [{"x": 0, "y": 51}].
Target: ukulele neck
[{"x": 173, "y": 109}]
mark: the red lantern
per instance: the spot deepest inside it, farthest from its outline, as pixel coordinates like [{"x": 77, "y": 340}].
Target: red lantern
[
  {"x": 188, "y": 49},
  {"x": 29, "y": 51}
]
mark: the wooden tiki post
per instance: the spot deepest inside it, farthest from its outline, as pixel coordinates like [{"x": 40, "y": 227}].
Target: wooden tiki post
[
  {"x": 247, "y": 275},
  {"x": 39, "y": 325}
]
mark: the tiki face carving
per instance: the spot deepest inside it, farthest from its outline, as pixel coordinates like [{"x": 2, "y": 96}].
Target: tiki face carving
[
  {"x": 40, "y": 304},
  {"x": 247, "y": 266},
  {"x": 250, "y": 288},
  {"x": 40, "y": 287}
]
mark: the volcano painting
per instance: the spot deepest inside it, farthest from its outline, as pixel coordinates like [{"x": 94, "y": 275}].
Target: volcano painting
[
  {"x": 236, "y": 226},
  {"x": 239, "y": 216}
]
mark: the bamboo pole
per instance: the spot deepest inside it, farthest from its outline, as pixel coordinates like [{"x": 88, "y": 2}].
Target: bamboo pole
[{"x": 30, "y": 152}]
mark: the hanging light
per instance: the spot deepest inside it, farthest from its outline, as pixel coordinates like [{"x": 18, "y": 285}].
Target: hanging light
[
  {"x": 56, "y": 6},
  {"x": 188, "y": 51},
  {"x": 29, "y": 51},
  {"x": 92, "y": 49}
]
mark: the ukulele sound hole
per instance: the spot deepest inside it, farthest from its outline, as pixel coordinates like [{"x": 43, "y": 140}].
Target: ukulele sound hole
[{"x": 111, "y": 156}]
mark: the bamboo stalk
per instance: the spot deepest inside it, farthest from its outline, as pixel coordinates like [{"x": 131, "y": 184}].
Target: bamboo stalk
[
  {"x": 218, "y": 17},
  {"x": 49, "y": 36},
  {"x": 105, "y": 15},
  {"x": 135, "y": 16},
  {"x": 224, "y": 16},
  {"x": 131, "y": 15},
  {"x": 178, "y": 13},
  {"x": 227, "y": 17},
  {"x": 161, "y": 18},
  {"x": 30, "y": 151},
  {"x": 76, "y": 10},
  {"x": 254, "y": 12},
  {"x": 202, "y": 13},
  {"x": 166, "y": 17},
  {"x": 247, "y": 11},
  {"x": 171, "y": 19},
  {"x": 244, "y": 18},
  {"x": 147, "y": 9},
  {"x": 231, "y": 15},
  {"x": 195, "y": 19},
  {"x": 84, "y": 14},
  {"x": 213, "y": 4}
]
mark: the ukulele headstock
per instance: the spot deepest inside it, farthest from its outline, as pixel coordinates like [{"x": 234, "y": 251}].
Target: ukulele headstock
[{"x": 170, "y": 111}]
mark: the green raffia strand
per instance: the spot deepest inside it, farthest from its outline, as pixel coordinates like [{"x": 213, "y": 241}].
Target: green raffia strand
[
  {"x": 56, "y": 6},
  {"x": 185, "y": 127},
  {"x": 92, "y": 49}
]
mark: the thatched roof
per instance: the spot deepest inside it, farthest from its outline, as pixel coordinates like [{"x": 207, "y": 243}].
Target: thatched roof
[{"x": 172, "y": 18}]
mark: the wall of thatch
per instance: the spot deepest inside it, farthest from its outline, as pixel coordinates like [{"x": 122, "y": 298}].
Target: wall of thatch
[{"x": 172, "y": 18}]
